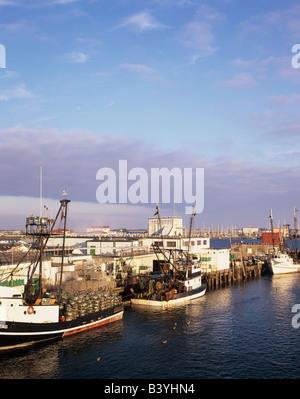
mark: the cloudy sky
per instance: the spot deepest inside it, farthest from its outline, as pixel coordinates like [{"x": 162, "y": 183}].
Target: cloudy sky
[{"x": 159, "y": 83}]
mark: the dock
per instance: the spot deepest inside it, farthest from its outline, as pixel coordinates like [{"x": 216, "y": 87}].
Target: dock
[{"x": 239, "y": 272}]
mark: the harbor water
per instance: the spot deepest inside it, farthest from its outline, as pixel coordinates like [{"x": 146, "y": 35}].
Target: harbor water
[{"x": 247, "y": 330}]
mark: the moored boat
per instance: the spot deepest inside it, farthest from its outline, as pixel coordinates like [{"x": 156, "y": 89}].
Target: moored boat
[
  {"x": 179, "y": 279},
  {"x": 33, "y": 317},
  {"x": 281, "y": 263},
  {"x": 23, "y": 325},
  {"x": 167, "y": 292}
]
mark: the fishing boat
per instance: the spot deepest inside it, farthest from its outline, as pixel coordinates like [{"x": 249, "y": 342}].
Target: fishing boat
[
  {"x": 32, "y": 317},
  {"x": 281, "y": 262},
  {"x": 177, "y": 282},
  {"x": 164, "y": 291}
]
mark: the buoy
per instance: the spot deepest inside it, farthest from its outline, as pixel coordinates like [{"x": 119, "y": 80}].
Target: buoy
[
  {"x": 164, "y": 342},
  {"x": 98, "y": 359},
  {"x": 30, "y": 310}
]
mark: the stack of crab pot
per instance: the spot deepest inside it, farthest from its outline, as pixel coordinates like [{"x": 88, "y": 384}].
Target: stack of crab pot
[{"x": 87, "y": 302}]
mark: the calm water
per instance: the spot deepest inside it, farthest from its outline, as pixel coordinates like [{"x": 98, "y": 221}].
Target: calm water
[{"x": 243, "y": 331}]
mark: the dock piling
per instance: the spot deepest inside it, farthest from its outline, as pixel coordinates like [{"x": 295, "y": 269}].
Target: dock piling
[{"x": 221, "y": 278}]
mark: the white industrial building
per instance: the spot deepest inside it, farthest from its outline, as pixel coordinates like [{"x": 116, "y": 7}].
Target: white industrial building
[
  {"x": 166, "y": 226},
  {"x": 193, "y": 245},
  {"x": 250, "y": 231},
  {"x": 111, "y": 246},
  {"x": 214, "y": 259},
  {"x": 211, "y": 258}
]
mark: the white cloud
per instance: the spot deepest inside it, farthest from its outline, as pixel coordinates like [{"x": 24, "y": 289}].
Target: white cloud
[
  {"x": 71, "y": 159},
  {"x": 284, "y": 99},
  {"x": 242, "y": 79},
  {"x": 7, "y": 3},
  {"x": 15, "y": 26},
  {"x": 284, "y": 20},
  {"x": 15, "y": 209},
  {"x": 34, "y": 3},
  {"x": 198, "y": 34},
  {"x": 16, "y": 93},
  {"x": 9, "y": 74},
  {"x": 62, "y": 1},
  {"x": 76, "y": 57},
  {"x": 144, "y": 71},
  {"x": 141, "y": 22},
  {"x": 238, "y": 62},
  {"x": 139, "y": 68}
]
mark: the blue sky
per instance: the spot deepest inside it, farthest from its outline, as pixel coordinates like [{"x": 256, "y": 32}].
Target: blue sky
[{"x": 161, "y": 83}]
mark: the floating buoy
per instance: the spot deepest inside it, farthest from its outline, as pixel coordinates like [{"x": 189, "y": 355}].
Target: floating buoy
[
  {"x": 164, "y": 342},
  {"x": 98, "y": 359}
]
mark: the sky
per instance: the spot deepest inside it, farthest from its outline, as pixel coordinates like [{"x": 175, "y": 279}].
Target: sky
[{"x": 160, "y": 84}]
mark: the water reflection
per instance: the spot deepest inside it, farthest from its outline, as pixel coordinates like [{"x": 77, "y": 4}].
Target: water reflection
[
  {"x": 243, "y": 331},
  {"x": 57, "y": 359},
  {"x": 38, "y": 362}
]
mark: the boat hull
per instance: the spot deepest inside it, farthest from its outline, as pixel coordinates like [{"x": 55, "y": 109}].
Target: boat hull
[
  {"x": 180, "y": 299},
  {"x": 283, "y": 268},
  {"x": 15, "y": 335}
]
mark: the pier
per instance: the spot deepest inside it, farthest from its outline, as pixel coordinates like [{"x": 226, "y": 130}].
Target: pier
[{"x": 239, "y": 272}]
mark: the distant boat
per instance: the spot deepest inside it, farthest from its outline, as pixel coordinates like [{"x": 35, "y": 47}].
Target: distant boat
[
  {"x": 280, "y": 263},
  {"x": 30, "y": 318}
]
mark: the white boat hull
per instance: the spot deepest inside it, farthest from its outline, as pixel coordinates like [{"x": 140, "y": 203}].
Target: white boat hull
[
  {"x": 283, "y": 268},
  {"x": 168, "y": 304},
  {"x": 281, "y": 263}
]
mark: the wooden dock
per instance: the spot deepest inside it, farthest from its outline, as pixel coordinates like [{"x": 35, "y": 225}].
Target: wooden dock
[{"x": 221, "y": 278}]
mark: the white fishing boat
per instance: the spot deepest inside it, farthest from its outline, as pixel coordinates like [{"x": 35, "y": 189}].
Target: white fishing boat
[
  {"x": 281, "y": 263},
  {"x": 167, "y": 292},
  {"x": 178, "y": 281}
]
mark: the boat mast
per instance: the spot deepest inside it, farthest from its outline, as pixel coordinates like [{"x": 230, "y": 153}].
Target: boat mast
[
  {"x": 272, "y": 229},
  {"x": 190, "y": 233},
  {"x": 296, "y": 234},
  {"x": 193, "y": 214},
  {"x": 42, "y": 228},
  {"x": 159, "y": 220},
  {"x": 289, "y": 235},
  {"x": 64, "y": 206}
]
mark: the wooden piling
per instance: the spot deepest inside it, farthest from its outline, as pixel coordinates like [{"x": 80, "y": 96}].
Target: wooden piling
[{"x": 221, "y": 278}]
